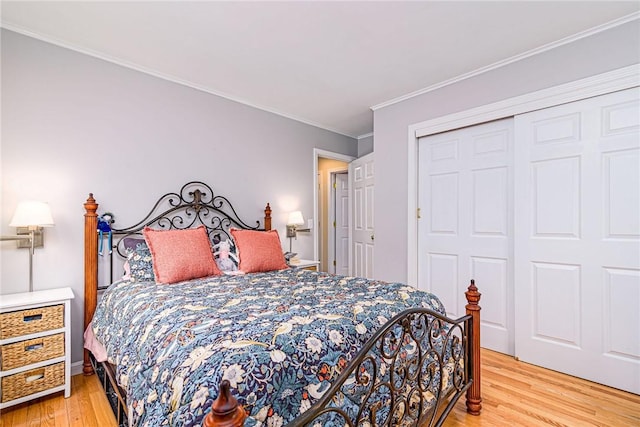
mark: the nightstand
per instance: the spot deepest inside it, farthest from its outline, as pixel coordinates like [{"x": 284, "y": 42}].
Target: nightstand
[
  {"x": 35, "y": 345},
  {"x": 305, "y": 264}
]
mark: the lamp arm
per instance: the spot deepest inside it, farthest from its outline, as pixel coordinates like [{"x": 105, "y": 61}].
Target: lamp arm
[
  {"x": 31, "y": 239},
  {"x": 16, "y": 237}
]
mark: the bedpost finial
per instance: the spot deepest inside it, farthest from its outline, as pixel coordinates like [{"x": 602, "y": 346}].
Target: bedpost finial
[
  {"x": 472, "y": 294},
  {"x": 225, "y": 401},
  {"x": 90, "y": 205},
  {"x": 267, "y": 217},
  {"x": 225, "y": 410}
]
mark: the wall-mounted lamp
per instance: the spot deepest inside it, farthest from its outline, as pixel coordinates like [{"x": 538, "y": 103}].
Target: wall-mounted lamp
[
  {"x": 295, "y": 220},
  {"x": 29, "y": 219}
]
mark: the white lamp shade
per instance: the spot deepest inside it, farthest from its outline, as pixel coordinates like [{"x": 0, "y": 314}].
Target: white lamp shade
[
  {"x": 32, "y": 213},
  {"x": 295, "y": 218}
]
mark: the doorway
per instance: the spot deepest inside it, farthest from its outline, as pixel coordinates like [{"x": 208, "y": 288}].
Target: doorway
[{"x": 326, "y": 165}]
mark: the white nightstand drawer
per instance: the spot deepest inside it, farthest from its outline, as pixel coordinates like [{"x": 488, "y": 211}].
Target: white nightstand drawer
[{"x": 25, "y": 322}]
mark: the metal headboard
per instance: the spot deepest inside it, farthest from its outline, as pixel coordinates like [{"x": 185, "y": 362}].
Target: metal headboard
[{"x": 195, "y": 204}]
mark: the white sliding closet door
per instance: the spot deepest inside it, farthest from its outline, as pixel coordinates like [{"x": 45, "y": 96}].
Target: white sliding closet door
[
  {"x": 465, "y": 229},
  {"x": 577, "y": 239}
]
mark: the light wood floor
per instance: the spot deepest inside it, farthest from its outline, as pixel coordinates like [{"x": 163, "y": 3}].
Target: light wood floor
[
  {"x": 514, "y": 393},
  {"x": 519, "y": 394}
]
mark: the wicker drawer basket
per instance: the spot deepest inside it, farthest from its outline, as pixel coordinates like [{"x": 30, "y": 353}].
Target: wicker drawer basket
[
  {"x": 25, "y": 383},
  {"x": 31, "y": 351},
  {"x": 24, "y": 322}
]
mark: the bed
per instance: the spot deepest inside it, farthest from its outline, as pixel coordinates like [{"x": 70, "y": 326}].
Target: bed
[{"x": 273, "y": 346}]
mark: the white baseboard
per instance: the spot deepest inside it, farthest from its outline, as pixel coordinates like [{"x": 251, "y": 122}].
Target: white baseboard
[{"x": 76, "y": 368}]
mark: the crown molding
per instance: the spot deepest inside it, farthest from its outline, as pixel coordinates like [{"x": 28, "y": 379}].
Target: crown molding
[{"x": 591, "y": 31}]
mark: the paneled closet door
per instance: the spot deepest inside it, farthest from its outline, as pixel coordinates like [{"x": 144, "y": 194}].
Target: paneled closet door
[
  {"x": 465, "y": 226},
  {"x": 577, "y": 239}
]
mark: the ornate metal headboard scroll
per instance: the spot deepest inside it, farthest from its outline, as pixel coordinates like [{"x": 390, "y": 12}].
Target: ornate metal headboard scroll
[{"x": 195, "y": 204}]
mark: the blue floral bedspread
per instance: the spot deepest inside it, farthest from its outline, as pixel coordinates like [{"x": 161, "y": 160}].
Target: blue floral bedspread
[{"x": 279, "y": 338}]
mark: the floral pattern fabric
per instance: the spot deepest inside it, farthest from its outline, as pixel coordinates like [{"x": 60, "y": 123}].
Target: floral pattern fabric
[
  {"x": 140, "y": 262},
  {"x": 278, "y": 337}
]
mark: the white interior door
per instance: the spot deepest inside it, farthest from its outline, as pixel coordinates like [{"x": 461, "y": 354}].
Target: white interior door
[
  {"x": 361, "y": 174},
  {"x": 577, "y": 239},
  {"x": 465, "y": 229},
  {"x": 341, "y": 223}
]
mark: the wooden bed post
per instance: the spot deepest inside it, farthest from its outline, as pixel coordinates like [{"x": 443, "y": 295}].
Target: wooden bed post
[
  {"x": 90, "y": 270},
  {"x": 225, "y": 411},
  {"x": 267, "y": 217},
  {"x": 474, "y": 399}
]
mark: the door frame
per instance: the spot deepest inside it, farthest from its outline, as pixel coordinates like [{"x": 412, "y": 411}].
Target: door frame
[
  {"x": 620, "y": 79},
  {"x": 317, "y": 154}
]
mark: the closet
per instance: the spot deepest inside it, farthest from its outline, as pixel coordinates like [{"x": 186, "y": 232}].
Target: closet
[{"x": 543, "y": 210}]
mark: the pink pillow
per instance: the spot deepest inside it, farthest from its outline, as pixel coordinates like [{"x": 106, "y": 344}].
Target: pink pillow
[
  {"x": 180, "y": 254},
  {"x": 259, "y": 250}
]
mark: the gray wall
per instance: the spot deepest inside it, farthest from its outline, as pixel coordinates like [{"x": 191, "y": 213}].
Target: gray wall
[
  {"x": 73, "y": 124},
  {"x": 365, "y": 145},
  {"x": 605, "y": 51}
]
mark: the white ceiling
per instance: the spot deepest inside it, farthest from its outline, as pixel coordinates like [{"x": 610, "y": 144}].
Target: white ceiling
[{"x": 324, "y": 63}]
